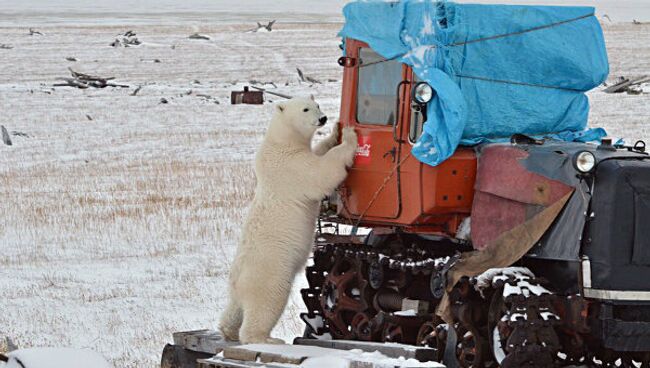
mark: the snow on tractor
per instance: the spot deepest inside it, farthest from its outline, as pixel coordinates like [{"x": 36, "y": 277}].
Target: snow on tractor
[{"x": 496, "y": 234}]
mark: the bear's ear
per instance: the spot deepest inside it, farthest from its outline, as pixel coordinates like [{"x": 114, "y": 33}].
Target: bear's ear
[
  {"x": 312, "y": 97},
  {"x": 280, "y": 107}
]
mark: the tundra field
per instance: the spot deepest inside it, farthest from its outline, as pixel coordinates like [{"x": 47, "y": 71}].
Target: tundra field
[{"x": 120, "y": 214}]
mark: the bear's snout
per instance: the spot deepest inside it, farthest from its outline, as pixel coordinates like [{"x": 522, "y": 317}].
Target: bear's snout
[{"x": 322, "y": 121}]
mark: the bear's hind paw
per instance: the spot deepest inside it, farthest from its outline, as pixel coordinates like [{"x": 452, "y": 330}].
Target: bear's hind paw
[{"x": 273, "y": 340}]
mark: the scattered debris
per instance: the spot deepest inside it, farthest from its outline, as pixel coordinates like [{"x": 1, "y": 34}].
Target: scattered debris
[
  {"x": 155, "y": 61},
  {"x": 634, "y": 21},
  {"x": 272, "y": 93},
  {"x": 607, "y": 16},
  {"x": 198, "y": 36},
  {"x": 625, "y": 84},
  {"x": 639, "y": 89},
  {"x": 261, "y": 27},
  {"x": 164, "y": 101},
  {"x": 135, "y": 92},
  {"x": 33, "y": 32},
  {"x": 208, "y": 98},
  {"x": 4, "y": 46},
  {"x": 83, "y": 81},
  {"x": 69, "y": 58},
  {"x": 247, "y": 97},
  {"x": 306, "y": 78},
  {"x": 19, "y": 134},
  {"x": 254, "y": 81},
  {"x": 332, "y": 80},
  {"x": 196, "y": 81},
  {"x": 90, "y": 118},
  {"x": 5, "y": 135},
  {"x": 128, "y": 39}
]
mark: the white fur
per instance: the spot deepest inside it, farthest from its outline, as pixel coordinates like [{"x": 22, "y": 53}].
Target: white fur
[{"x": 278, "y": 233}]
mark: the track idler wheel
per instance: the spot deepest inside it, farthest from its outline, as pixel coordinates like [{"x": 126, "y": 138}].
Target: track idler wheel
[
  {"x": 343, "y": 296},
  {"x": 470, "y": 348},
  {"x": 399, "y": 329},
  {"x": 433, "y": 335},
  {"x": 364, "y": 327}
]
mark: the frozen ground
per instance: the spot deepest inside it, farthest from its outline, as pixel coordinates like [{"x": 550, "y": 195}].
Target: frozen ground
[{"x": 119, "y": 215}]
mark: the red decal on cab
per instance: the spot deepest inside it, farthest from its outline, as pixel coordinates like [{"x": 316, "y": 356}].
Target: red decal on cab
[{"x": 362, "y": 156}]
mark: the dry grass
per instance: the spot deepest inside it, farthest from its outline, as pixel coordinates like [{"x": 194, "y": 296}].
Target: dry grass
[{"x": 117, "y": 231}]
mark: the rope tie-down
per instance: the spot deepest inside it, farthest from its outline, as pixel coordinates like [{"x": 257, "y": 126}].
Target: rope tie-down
[{"x": 491, "y": 67}]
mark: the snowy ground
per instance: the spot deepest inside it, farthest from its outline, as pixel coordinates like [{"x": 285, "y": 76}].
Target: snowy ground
[{"x": 119, "y": 215}]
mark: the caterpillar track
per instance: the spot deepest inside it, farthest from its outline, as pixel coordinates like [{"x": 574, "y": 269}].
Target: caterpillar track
[{"x": 389, "y": 294}]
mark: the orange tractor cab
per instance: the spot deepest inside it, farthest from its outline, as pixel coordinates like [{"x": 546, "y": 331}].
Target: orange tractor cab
[
  {"x": 387, "y": 186},
  {"x": 526, "y": 251}
]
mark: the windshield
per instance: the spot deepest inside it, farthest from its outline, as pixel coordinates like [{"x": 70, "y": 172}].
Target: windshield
[{"x": 377, "y": 88}]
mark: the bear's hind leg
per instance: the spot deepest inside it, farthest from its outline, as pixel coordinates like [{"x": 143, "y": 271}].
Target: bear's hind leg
[
  {"x": 261, "y": 314},
  {"x": 231, "y": 321}
]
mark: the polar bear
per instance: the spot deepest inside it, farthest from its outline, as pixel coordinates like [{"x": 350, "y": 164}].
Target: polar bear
[{"x": 292, "y": 179}]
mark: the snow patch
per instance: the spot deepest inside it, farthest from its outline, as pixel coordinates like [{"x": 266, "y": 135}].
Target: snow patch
[
  {"x": 324, "y": 357},
  {"x": 55, "y": 358}
]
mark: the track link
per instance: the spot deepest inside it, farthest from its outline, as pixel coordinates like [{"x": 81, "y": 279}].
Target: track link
[{"x": 521, "y": 320}]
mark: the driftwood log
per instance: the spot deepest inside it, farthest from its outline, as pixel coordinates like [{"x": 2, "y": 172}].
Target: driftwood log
[
  {"x": 5, "y": 136},
  {"x": 84, "y": 81},
  {"x": 268, "y": 26},
  {"x": 198, "y": 36},
  {"x": 127, "y": 39},
  {"x": 272, "y": 93},
  {"x": 624, "y": 84},
  {"x": 33, "y": 32},
  {"x": 19, "y": 134},
  {"x": 306, "y": 78},
  {"x": 135, "y": 92}
]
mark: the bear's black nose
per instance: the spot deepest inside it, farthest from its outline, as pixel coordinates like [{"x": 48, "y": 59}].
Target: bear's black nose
[{"x": 322, "y": 120}]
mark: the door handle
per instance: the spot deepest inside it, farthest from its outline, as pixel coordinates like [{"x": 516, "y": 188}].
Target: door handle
[
  {"x": 398, "y": 116},
  {"x": 392, "y": 153}
]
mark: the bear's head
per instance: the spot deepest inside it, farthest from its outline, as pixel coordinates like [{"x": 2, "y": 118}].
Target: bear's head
[{"x": 301, "y": 116}]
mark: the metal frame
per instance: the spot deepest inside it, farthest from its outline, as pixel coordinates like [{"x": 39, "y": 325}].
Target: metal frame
[{"x": 623, "y": 295}]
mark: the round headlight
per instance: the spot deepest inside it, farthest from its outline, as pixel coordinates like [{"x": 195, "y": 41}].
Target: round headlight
[
  {"x": 422, "y": 93},
  {"x": 584, "y": 161}
]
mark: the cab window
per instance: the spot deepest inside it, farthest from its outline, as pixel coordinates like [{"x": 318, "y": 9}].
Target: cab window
[{"x": 377, "y": 88}]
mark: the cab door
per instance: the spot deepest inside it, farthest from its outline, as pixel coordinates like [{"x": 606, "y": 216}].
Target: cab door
[{"x": 370, "y": 104}]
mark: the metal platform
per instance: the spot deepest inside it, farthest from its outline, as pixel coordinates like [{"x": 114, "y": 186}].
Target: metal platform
[{"x": 200, "y": 348}]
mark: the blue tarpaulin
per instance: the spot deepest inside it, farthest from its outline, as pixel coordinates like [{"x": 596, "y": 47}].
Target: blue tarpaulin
[{"x": 497, "y": 70}]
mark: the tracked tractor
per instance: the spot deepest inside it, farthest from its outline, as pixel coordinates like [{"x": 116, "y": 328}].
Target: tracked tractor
[{"x": 528, "y": 248}]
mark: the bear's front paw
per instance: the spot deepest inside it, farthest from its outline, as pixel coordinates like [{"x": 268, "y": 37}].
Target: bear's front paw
[
  {"x": 334, "y": 136},
  {"x": 350, "y": 136}
]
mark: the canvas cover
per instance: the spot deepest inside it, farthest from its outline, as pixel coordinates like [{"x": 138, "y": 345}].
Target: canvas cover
[
  {"x": 619, "y": 235},
  {"x": 497, "y": 70}
]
